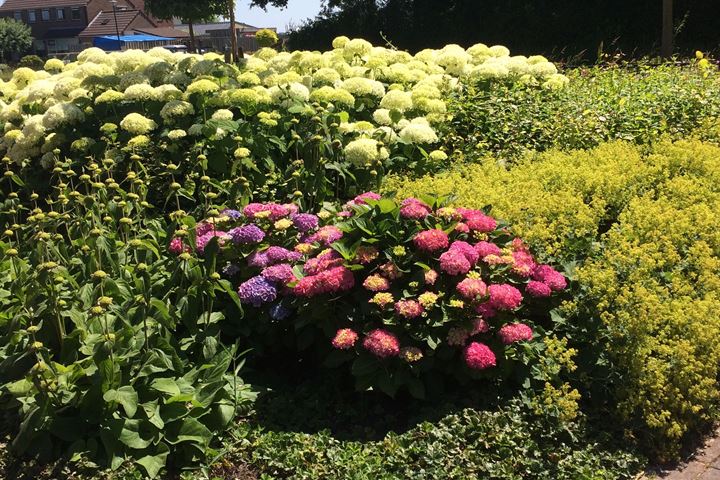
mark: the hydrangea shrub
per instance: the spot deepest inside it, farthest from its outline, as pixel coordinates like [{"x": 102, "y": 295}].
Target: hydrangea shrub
[
  {"x": 402, "y": 291},
  {"x": 328, "y": 124}
]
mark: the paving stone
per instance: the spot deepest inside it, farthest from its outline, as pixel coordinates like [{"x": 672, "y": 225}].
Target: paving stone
[
  {"x": 710, "y": 474},
  {"x": 710, "y": 453},
  {"x": 690, "y": 472}
]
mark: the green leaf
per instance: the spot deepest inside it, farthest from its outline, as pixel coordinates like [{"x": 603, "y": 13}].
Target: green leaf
[
  {"x": 153, "y": 463},
  {"x": 152, "y": 411},
  {"x": 125, "y": 396},
  {"x": 190, "y": 430},
  {"x": 364, "y": 365},
  {"x": 166, "y": 385},
  {"x": 130, "y": 435}
]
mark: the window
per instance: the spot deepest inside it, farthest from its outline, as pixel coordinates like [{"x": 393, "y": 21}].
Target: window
[
  {"x": 75, "y": 13},
  {"x": 60, "y": 14},
  {"x": 18, "y": 16},
  {"x": 31, "y": 16},
  {"x": 45, "y": 14}
]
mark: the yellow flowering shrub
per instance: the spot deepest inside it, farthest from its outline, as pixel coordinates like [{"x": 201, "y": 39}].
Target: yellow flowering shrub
[{"x": 643, "y": 223}]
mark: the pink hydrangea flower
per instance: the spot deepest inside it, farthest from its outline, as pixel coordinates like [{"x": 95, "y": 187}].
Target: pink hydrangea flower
[
  {"x": 467, "y": 250},
  {"x": 471, "y": 288},
  {"x": 414, "y": 209},
  {"x": 549, "y": 276},
  {"x": 281, "y": 273},
  {"x": 524, "y": 263},
  {"x": 409, "y": 308},
  {"x": 382, "y": 343},
  {"x": 345, "y": 339},
  {"x": 431, "y": 240},
  {"x": 177, "y": 246},
  {"x": 376, "y": 283},
  {"x": 538, "y": 289},
  {"x": 454, "y": 262},
  {"x": 462, "y": 228},
  {"x": 202, "y": 228},
  {"x": 431, "y": 277},
  {"x": 480, "y": 326},
  {"x": 486, "y": 310},
  {"x": 360, "y": 199},
  {"x": 334, "y": 280},
  {"x": 323, "y": 262},
  {"x": 504, "y": 297},
  {"x": 202, "y": 241},
  {"x": 487, "y": 248},
  {"x": 477, "y": 220},
  {"x": 275, "y": 211},
  {"x": 478, "y": 356},
  {"x": 515, "y": 332},
  {"x": 325, "y": 235}
]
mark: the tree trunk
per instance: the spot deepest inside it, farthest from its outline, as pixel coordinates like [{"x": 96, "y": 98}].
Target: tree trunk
[
  {"x": 667, "y": 29},
  {"x": 193, "y": 48},
  {"x": 233, "y": 32}
]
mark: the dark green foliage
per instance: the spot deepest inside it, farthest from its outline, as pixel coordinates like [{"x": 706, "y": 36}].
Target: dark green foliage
[
  {"x": 640, "y": 104},
  {"x": 563, "y": 28},
  {"x": 31, "y": 61},
  {"x": 15, "y": 38}
]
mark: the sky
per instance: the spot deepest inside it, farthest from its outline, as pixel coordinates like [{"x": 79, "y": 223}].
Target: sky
[{"x": 296, "y": 11}]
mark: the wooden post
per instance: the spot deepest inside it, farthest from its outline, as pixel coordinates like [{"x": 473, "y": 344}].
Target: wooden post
[
  {"x": 667, "y": 29},
  {"x": 233, "y": 32}
]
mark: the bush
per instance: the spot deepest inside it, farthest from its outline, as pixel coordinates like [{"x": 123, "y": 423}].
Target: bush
[
  {"x": 266, "y": 38},
  {"x": 637, "y": 103},
  {"x": 640, "y": 223},
  {"x": 396, "y": 289},
  {"x": 31, "y": 61},
  {"x": 109, "y": 347},
  {"x": 256, "y": 131}
]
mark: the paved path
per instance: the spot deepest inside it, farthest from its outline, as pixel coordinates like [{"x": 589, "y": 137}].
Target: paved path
[{"x": 705, "y": 465}]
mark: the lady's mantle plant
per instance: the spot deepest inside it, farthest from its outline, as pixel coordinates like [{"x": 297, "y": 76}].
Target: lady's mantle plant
[{"x": 404, "y": 291}]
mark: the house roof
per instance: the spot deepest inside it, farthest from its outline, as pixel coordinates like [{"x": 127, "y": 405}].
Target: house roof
[
  {"x": 104, "y": 23},
  {"x": 28, "y": 4},
  {"x": 163, "y": 32},
  {"x": 205, "y": 28}
]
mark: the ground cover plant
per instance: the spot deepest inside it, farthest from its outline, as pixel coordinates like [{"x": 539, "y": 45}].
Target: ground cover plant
[{"x": 638, "y": 223}]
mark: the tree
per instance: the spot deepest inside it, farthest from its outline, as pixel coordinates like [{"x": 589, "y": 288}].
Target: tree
[
  {"x": 189, "y": 11},
  {"x": 15, "y": 37}
]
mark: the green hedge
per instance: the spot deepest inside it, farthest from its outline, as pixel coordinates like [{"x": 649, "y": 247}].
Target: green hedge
[
  {"x": 642, "y": 226},
  {"x": 637, "y": 103}
]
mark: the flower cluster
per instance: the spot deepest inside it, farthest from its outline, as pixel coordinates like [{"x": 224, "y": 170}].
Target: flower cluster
[{"x": 402, "y": 299}]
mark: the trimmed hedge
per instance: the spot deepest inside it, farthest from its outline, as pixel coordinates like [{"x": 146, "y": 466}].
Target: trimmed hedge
[
  {"x": 637, "y": 103},
  {"x": 642, "y": 224}
]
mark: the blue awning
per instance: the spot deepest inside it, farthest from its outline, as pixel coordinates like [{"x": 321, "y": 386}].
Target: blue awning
[{"x": 110, "y": 42}]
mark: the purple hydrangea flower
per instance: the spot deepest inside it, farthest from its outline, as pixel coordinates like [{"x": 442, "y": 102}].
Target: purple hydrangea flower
[
  {"x": 280, "y": 255},
  {"x": 305, "y": 222},
  {"x": 279, "y": 312},
  {"x": 234, "y": 214},
  {"x": 247, "y": 234},
  {"x": 258, "y": 259},
  {"x": 281, "y": 273},
  {"x": 257, "y": 291},
  {"x": 202, "y": 241}
]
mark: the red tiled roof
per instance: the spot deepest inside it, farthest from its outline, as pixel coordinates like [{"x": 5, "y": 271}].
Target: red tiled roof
[
  {"x": 104, "y": 23},
  {"x": 28, "y": 4}
]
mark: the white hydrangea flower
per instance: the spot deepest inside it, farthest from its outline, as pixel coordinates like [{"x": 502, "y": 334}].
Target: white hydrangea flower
[
  {"x": 166, "y": 93},
  {"x": 141, "y": 92},
  {"x": 223, "y": 114},
  {"x": 109, "y": 96},
  {"x": 438, "y": 156},
  {"x": 54, "y": 65},
  {"x": 249, "y": 79},
  {"x": 137, "y": 124},
  {"x": 364, "y": 152},
  {"x": 195, "y": 130},
  {"x": 285, "y": 95},
  {"x": 397, "y": 100},
  {"x": 556, "y": 82},
  {"x": 62, "y": 114},
  {"x": 340, "y": 42},
  {"x": 364, "y": 87},
  {"x": 381, "y": 116},
  {"x": 418, "y": 133},
  {"x": 202, "y": 86},
  {"x": 357, "y": 47},
  {"x": 499, "y": 51},
  {"x": 177, "y": 134},
  {"x": 175, "y": 109}
]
